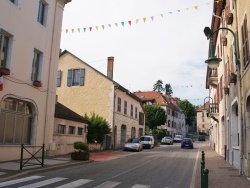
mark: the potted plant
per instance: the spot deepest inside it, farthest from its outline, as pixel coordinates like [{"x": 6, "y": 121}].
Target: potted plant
[{"x": 81, "y": 152}]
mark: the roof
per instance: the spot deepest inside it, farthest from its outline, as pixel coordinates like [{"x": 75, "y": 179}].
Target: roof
[
  {"x": 63, "y": 112},
  {"x": 117, "y": 85}
]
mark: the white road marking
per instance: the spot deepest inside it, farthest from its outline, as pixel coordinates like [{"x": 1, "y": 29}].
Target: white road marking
[
  {"x": 140, "y": 186},
  {"x": 43, "y": 183},
  {"x": 11, "y": 182},
  {"x": 108, "y": 184},
  {"x": 75, "y": 183}
]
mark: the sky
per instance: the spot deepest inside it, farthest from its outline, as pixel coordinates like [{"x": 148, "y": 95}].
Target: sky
[{"x": 150, "y": 40}]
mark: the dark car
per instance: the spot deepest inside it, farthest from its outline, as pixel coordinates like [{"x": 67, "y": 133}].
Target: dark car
[
  {"x": 201, "y": 138},
  {"x": 187, "y": 143}
]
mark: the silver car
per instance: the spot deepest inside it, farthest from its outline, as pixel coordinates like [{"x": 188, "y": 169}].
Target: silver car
[
  {"x": 133, "y": 144},
  {"x": 167, "y": 140}
]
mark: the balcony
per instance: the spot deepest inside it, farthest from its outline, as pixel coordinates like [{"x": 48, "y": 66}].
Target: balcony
[
  {"x": 213, "y": 77},
  {"x": 214, "y": 111}
]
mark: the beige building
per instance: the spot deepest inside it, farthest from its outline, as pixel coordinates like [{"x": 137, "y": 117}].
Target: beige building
[
  {"x": 83, "y": 89},
  {"x": 203, "y": 120},
  {"x": 69, "y": 127},
  {"x": 230, "y": 87},
  {"x": 30, "y": 37}
]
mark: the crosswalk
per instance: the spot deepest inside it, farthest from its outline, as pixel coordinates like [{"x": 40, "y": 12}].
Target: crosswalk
[{"x": 41, "y": 181}]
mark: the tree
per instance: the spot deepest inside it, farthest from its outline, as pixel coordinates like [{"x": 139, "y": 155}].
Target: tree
[
  {"x": 97, "y": 129},
  {"x": 188, "y": 110},
  {"x": 155, "y": 116},
  {"x": 158, "y": 86},
  {"x": 168, "y": 89}
]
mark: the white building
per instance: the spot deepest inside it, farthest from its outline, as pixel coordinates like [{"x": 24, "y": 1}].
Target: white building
[{"x": 30, "y": 34}]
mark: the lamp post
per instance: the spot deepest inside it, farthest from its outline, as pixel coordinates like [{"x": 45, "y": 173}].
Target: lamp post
[
  {"x": 213, "y": 62},
  {"x": 204, "y": 107}
]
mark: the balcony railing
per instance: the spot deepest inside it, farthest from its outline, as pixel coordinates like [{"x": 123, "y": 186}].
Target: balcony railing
[{"x": 214, "y": 108}]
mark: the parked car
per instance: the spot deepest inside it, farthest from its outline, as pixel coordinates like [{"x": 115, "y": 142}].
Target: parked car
[
  {"x": 133, "y": 144},
  {"x": 167, "y": 140},
  {"x": 201, "y": 138},
  {"x": 187, "y": 143},
  {"x": 147, "y": 141},
  {"x": 178, "y": 138}
]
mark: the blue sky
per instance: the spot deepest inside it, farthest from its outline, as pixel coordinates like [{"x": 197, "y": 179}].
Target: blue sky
[{"x": 165, "y": 41}]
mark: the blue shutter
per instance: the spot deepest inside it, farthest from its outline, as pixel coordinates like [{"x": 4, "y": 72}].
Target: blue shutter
[
  {"x": 69, "y": 80},
  {"x": 59, "y": 76},
  {"x": 82, "y": 75}
]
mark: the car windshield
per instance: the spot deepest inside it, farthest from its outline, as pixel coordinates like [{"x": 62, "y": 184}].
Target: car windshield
[
  {"x": 177, "y": 136},
  {"x": 145, "y": 138},
  {"x": 187, "y": 139},
  {"x": 167, "y": 137},
  {"x": 133, "y": 140}
]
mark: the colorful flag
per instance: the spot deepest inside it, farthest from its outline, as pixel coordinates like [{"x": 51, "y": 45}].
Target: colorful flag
[{"x": 1, "y": 81}]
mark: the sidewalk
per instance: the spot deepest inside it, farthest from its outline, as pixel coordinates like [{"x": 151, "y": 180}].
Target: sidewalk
[{"x": 221, "y": 173}]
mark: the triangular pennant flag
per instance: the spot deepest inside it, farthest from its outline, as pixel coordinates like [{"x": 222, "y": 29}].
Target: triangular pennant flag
[
  {"x": 136, "y": 21},
  {"x": 129, "y": 22},
  {"x": 72, "y": 30},
  {"x": 144, "y": 20},
  {"x": 152, "y": 18},
  {"x": 103, "y": 27},
  {"x": 196, "y": 7},
  {"x": 122, "y": 24},
  {"x": 84, "y": 29},
  {"x": 178, "y": 10},
  {"x": 96, "y": 28},
  {"x": 109, "y": 25},
  {"x": 170, "y": 12},
  {"x": 116, "y": 24},
  {"x": 79, "y": 30},
  {"x": 90, "y": 28},
  {"x": 67, "y": 30},
  {"x": 161, "y": 15}
]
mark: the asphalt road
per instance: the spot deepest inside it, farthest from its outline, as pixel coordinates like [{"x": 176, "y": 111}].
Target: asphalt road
[{"x": 161, "y": 167}]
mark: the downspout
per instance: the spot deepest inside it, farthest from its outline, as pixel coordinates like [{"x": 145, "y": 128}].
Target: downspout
[{"x": 239, "y": 91}]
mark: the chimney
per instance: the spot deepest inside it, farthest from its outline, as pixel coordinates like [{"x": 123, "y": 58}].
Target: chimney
[{"x": 110, "y": 67}]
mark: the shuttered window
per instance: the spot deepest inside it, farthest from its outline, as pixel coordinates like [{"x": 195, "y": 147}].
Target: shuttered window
[
  {"x": 76, "y": 77},
  {"x": 245, "y": 43}
]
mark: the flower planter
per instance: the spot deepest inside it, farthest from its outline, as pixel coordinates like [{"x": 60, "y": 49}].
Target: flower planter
[
  {"x": 80, "y": 156},
  {"x": 5, "y": 71}
]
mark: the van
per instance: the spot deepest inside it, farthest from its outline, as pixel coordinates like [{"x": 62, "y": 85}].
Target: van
[{"x": 147, "y": 141}]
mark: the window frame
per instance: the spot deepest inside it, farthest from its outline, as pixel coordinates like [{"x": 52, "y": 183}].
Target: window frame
[
  {"x": 119, "y": 104},
  {"x": 125, "y": 107},
  {"x": 71, "y": 130},
  {"x": 59, "y": 78},
  {"x": 7, "y": 54},
  {"x": 79, "y": 131},
  {"x": 76, "y": 74},
  {"x": 42, "y": 13},
  {"x": 37, "y": 62},
  {"x": 61, "y": 129},
  {"x": 245, "y": 43},
  {"x": 131, "y": 110}
]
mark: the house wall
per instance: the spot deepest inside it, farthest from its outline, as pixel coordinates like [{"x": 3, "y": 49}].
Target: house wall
[
  {"x": 25, "y": 38},
  {"x": 203, "y": 122},
  {"x": 63, "y": 143}
]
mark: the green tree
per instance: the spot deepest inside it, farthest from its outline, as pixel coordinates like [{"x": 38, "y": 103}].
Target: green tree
[
  {"x": 155, "y": 116},
  {"x": 168, "y": 89},
  {"x": 158, "y": 86},
  {"x": 188, "y": 110},
  {"x": 97, "y": 129}
]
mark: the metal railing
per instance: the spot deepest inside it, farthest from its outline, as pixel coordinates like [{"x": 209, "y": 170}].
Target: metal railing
[{"x": 25, "y": 162}]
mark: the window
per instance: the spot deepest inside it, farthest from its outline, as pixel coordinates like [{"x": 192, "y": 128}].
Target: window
[
  {"x": 59, "y": 78},
  {"x": 168, "y": 111},
  {"x": 76, "y": 77},
  {"x": 119, "y": 103},
  {"x": 4, "y": 48},
  {"x": 135, "y": 112},
  {"x": 203, "y": 126},
  {"x": 71, "y": 130},
  {"x": 15, "y": 121},
  {"x": 125, "y": 107},
  {"x": 245, "y": 43},
  {"x": 42, "y": 12},
  {"x": 36, "y": 66},
  {"x": 61, "y": 129},
  {"x": 80, "y": 131},
  {"x": 131, "y": 110},
  {"x": 141, "y": 118}
]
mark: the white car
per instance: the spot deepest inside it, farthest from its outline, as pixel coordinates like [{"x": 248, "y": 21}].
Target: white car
[
  {"x": 167, "y": 140},
  {"x": 177, "y": 138},
  {"x": 147, "y": 141}
]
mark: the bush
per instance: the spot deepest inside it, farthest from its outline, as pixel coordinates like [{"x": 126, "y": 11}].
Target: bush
[{"x": 80, "y": 146}]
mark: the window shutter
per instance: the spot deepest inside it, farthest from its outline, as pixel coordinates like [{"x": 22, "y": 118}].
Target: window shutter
[
  {"x": 82, "y": 75},
  {"x": 59, "y": 75},
  {"x": 69, "y": 80}
]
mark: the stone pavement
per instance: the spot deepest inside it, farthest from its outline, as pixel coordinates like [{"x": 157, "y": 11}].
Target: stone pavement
[{"x": 221, "y": 173}]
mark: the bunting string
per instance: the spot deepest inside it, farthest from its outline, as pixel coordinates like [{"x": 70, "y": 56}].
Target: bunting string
[{"x": 127, "y": 23}]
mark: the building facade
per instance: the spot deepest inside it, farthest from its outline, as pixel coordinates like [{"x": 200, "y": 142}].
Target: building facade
[
  {"x": 85, "y": 90},
  {"x": 29, "y": 48}
]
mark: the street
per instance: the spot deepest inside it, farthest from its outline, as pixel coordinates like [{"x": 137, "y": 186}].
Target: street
[{"x": 167, "y": 166}]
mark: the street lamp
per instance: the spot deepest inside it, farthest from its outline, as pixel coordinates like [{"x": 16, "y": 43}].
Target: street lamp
[
  {"x": 213, "y": 61},
  {"x": 204, "y": 107}
]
